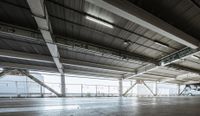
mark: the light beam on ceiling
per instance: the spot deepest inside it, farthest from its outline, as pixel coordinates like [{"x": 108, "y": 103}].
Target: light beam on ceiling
[{"x": 99, "y": 22}]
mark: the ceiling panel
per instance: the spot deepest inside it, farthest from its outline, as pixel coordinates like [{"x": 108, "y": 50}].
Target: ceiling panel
[
  {"x": 69, "y": 20},
  {"x": 183, "y": 14},
  {"x": 36, "y": 47},
  {"x": 21, "y": 16}
]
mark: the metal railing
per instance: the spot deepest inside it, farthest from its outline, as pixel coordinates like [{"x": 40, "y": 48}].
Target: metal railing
[
  {"x": 86, "y": 90},
  {"x": 32, "y": 89}
]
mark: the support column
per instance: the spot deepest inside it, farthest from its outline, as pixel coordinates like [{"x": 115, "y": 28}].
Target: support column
[
  {"x": 16, "y": 85},
  {"x": 179, "y": 89},
  {"x": 81, "y": 90},
  {"x": 41, "y": 93},
  {"x": 96, "y": 90},
  {"x": 156, "y": 88},
  {"x": 108, "y": 91},
  {"x": 131, "y": 83},
  {"x": 120, "y": 88},
  {"x": 63, "y": 91}
]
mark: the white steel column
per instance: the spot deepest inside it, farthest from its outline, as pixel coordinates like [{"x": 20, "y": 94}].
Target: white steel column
[
  {"x": 179, "y": 89},
  {"x": 120, "y": 87},
  {"x": 63, "y": 87},
  {"x": 131, "y": 83},
  {"x": 156, "y": 88}
]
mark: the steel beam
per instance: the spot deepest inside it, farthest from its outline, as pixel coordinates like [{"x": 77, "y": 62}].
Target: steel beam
[
  {"x": 149, "y": 88},
  {"x": 40, "y": 83},
  {"x": 72, "y": 44},
  {"x": 187, "y": 75},
  {"x": 131, "y": 87},
  {"x": 25, "y": 56},
  {"x": 91, "y": 65},
  {"x": 191, "y": 82},
  {"x": 181, "y": 54},
  {"x": 91, "y": 73},
  {"x": 40, "y": 14},
  {"x": 167, "y": 61},
  {"x": 144, "y": 78},
  {"x": 69, "y": 62},
  {"x": 54, "y": 70},
  {"x": 137, "y": 15},
  {"x": 63, "y": 87},
  {"x": 182, "y": 91},
  {"x": 2, "y": 74},
  {"x": 120, "y": 87},
  {"x": 20, "y": 32},
  {"x": 29, "y": 67},
  {"x": 76, "y": 45},
  {"x": 180, "y": 77},
  {"x": 180, "y": 67},
  {"x": 141, "y": 71},
  {"x": 46, "y": 59},
  {"x": 167, "y": 80},
  {"x": 34, "y": 36}
]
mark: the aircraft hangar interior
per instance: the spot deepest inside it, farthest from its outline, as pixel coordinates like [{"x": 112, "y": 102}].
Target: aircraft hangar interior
[{"x": 99, "y": 57}]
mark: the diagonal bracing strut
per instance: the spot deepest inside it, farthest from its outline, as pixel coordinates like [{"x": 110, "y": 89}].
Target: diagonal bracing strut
[
  {"x": 125, "y": 93},
  {"x": 40, "y": 82}
]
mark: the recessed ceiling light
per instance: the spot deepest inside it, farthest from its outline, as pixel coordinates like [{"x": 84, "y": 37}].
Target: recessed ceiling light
[
  {"x": 99, "y": 22},
  {"x": 161, "y": 44}
]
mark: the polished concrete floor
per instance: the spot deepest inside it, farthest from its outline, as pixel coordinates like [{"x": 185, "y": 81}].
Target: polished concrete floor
[{"x": 160, "y": 106}]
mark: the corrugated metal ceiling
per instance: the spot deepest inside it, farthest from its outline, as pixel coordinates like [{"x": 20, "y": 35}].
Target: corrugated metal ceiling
[
  {"x": 183, "y": 14},
  {"x": 23, "y": 44},
  {"x": 16, "y": 12},
  {"x": 68, "y": 19}
]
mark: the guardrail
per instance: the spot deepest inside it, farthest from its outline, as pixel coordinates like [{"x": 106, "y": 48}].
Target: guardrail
[{"x": 32, "y": 89}]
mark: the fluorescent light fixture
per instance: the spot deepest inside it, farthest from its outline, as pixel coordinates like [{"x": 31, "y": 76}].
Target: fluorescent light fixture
[
  {"x": 195, "y": 57},
  {"x": 99, "y": 22},
  {"x": 161, "y": 44}
]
